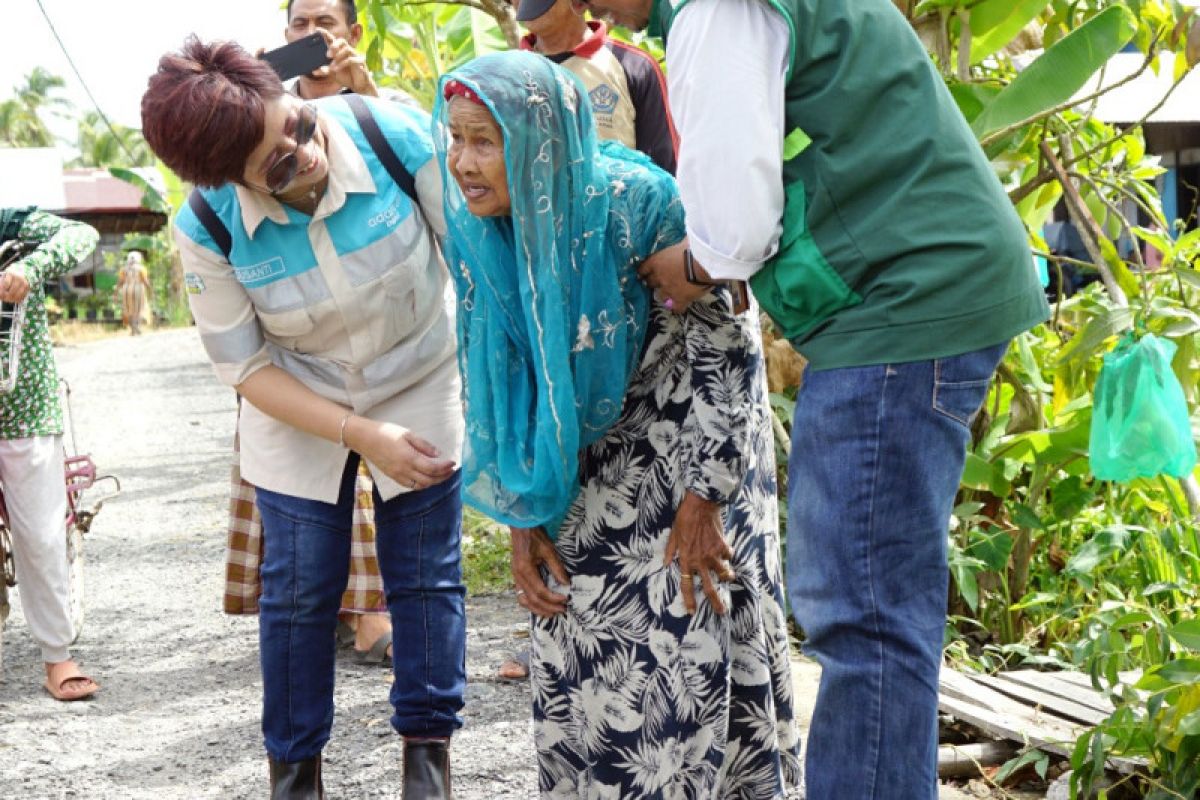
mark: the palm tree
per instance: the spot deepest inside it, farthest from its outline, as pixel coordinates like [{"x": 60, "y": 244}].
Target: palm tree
[
  {"x": 21, "y": 118},
  {"x": 119, "y": 147}
]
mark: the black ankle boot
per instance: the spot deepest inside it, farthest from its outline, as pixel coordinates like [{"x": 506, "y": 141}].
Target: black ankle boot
[
  {"x": 427, "y": 769},
  {"x": 297, "y": 781}
]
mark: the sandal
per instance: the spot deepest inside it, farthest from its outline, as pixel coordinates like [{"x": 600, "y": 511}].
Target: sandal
[
  {"x": 72, "y": 685},
  {"x": 516, "y": 667},
  {"x": 378, "y": 654},
  {"x": 344, "y": 635}
]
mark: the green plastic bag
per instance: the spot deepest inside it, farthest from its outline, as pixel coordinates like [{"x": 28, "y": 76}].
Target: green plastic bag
[{"x": 1140, "y": 425}]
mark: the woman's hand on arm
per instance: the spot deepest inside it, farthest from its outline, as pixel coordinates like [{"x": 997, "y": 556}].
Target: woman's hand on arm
[
  {"x": 402, "y": 455},
  {"x": 531, "y": 548},
  {"x": 665, "y": 273},
  {"x": 697, "y": 541}
]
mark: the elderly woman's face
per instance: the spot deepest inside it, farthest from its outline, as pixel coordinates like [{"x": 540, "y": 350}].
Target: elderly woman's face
[
  {"x": 476, "y": 158},
  {"x": 291, "y": 157}
]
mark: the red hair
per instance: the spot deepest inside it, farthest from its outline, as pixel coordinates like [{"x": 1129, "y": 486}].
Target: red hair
[{"x": 203, "y": 112}]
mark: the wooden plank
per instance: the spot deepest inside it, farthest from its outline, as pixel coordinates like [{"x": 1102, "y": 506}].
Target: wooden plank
[
  {"x": 1043, "y": 698},
  {"x": 966, "y": 699},
  {"x": 1004, "y": 726},
  {"x": 1061, "y": 684},
  {"x": 1006, "y": 717}
]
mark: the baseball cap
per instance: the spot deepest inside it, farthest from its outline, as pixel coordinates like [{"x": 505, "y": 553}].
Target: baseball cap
[{"x": 532, "y": 9}]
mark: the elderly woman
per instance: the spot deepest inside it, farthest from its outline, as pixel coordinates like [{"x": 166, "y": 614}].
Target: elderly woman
[
  {"x": 628, "y": 448},
  {"x": 319, "y": 295},
  {"x": 133, "y": 284}
]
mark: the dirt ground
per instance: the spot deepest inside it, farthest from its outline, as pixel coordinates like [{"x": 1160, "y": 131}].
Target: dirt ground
[{"x": 177, "y": 716}]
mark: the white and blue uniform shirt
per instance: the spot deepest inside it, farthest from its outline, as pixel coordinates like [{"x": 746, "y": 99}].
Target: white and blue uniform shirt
[{"x": 354, "y": 301}]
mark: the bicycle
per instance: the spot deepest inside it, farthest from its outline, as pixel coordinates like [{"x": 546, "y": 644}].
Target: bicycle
[{"x": 79, "y": 471}]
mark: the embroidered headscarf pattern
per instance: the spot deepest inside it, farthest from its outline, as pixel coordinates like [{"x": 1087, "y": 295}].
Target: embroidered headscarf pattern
[{"x": 551, "y": 316}]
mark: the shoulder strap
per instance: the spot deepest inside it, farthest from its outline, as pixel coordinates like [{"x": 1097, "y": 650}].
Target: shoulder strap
[
  {"x": 379, "y": 144},
  {"x": 211, "y": 222}
]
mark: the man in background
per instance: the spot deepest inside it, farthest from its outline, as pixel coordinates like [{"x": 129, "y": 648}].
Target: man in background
[
  {"x": 626, "y": 86},
  {"x": 348, "y": 70}
]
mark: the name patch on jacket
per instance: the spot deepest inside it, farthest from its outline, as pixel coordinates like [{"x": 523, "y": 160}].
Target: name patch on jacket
[{"x": 259, "y": 273}]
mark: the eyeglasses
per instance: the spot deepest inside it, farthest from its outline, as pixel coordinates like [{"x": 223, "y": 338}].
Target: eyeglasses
[{"x": 284, "y": 170}]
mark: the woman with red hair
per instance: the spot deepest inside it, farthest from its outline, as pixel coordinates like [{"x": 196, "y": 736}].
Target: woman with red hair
[{"x": 319, "y": 295}]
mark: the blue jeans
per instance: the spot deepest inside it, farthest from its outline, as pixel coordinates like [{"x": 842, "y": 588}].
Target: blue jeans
[
  {"x": 877, "y": 456},
  {"x": 305, "y": 567}
]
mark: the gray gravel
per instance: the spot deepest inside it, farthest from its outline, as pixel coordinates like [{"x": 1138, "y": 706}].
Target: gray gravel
[{"x": 177, "y": 716}]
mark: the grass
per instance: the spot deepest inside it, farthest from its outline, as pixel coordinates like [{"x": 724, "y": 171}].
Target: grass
[{"x": 485, "y": 555}]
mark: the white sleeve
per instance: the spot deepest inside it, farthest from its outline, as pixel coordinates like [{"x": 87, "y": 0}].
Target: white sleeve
[{"x": 727, "y": 64}]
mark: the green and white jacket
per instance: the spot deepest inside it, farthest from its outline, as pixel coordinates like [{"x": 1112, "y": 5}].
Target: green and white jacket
[
  {"x": 32, "y": 408},
  {"x": 882, "y": 233}
]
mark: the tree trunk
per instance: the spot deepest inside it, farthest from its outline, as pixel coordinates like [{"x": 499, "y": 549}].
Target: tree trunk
[{"x": 503, "y": 13}]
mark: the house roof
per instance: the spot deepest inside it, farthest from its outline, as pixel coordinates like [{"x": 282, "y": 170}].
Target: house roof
[
  {"x": 34, "y": 176},
  {"x": 95, "y": 191},
  {"x": 1133, "y": 100}
]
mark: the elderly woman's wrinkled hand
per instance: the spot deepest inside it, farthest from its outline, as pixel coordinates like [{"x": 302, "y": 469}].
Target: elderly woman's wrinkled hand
[
  {"x": 532, "y": 548},
  {"x": 14, "y": 286},
  {"x": 402, "y": 455},
  {"x": 697, "y": 541},
  {"x": 664, "y": 272}
]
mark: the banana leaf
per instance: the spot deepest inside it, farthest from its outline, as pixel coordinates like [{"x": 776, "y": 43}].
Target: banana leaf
[
  {"x": 995, "y": 23},
  {"x": 1059, "y": 72},
  {"x": 151, "y": 197}
]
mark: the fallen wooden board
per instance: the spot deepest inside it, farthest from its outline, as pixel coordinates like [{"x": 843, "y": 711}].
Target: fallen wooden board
[
  {"x": 1059, "y": 685},
  {"x": 966, "y": 698},
  {"x": 1045, "y": 697},
  {"x": 1003, "y": 717}
]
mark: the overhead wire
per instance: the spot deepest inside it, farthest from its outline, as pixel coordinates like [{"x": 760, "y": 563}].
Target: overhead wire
[{"x": 120, "y": 142}]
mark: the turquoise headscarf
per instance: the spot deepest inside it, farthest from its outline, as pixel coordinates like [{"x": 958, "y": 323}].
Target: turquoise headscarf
[{"x": 551, "y": 315}]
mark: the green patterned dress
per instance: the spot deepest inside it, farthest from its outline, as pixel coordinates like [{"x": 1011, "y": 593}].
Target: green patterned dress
[{"x": 33, "y": 408}]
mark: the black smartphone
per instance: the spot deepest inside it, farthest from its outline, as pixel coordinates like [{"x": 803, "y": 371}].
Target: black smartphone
[{"x": 299, "y": 57}]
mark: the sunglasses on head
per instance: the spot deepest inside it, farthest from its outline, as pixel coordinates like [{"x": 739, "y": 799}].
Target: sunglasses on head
[{"x": 284, "y": 170}]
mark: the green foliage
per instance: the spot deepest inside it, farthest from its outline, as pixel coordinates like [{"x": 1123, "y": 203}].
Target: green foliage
[
  {"x": 1061, "y": 71},
  {"x": 410, "y": 45},
  {"x": 995, "y": 23},
  {"x": 22, "y": 118},
  {"x": 100, "y": 146},
  {"x": 1050, "y": 566},
  {"x": 485, "y": 555}
]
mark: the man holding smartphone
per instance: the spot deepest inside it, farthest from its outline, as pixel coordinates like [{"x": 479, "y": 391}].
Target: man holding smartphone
[{"x": 337, "y": 21}]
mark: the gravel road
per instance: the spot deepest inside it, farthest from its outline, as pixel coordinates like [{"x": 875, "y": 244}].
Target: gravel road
[{"x": 177, "y": 716}]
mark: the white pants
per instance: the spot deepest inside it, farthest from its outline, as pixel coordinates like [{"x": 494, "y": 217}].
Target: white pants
[{"x": 31, "y": 471}]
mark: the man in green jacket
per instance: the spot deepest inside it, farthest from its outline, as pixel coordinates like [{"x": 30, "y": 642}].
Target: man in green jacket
[
  {"x": 31, "y": 449},
  {"x": 823, "y": 161}
]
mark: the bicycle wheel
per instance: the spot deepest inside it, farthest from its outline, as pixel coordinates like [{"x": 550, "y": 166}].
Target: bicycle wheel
[
  {"x": 8, "y": 577},
  {"x": 3, "y": 620},
  {"x": 75, "y": 577}
]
